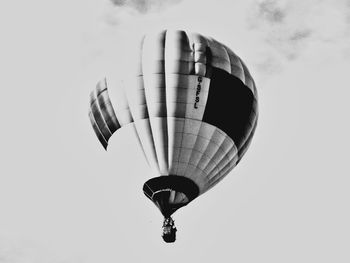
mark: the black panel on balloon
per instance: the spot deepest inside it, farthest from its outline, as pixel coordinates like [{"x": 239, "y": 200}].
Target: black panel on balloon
[{"x": 229, "y": 105}]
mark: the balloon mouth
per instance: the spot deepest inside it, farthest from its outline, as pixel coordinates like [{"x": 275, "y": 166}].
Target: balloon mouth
[{"x": 170, "y": 193}]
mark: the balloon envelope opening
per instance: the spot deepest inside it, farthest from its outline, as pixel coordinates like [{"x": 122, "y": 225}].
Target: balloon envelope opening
[{"x": 170, "y": 193}]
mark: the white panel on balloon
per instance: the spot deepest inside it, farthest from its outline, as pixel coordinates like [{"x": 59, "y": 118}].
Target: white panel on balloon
[
  {"x": 144, "y": 132},
  {"x": 236, "y": 65},
  {"x": 160, "y": 138},
  {"x": 175, "y": 133}
]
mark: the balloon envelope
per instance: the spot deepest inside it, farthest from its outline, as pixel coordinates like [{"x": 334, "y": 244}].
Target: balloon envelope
[{"x": 193, "y": 105}]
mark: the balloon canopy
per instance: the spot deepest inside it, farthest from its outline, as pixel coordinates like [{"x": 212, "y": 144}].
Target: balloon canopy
[{"x": 193, "y": 104}]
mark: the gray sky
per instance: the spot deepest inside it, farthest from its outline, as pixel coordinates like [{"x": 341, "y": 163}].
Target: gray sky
[{"x": 64, "y": 199}]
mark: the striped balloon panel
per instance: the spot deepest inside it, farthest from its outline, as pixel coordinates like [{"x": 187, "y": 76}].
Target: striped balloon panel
[
  {"x": 170, "y": 91},
  {"x": 101, "y": 113}
]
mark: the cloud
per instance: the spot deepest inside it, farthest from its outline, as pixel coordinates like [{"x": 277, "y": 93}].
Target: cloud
[
  {"x": 26, "y": 252},
  {"x": 278, "y": 25},
  {"x": 289, "y": 30},
  {"x": 271, "y": 11},
  {"x": 268, "y": 34},
  {"x": 144, "y": 6}
]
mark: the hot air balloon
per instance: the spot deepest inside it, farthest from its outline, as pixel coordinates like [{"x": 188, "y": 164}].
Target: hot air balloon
[{"x": 193, "y": 105}]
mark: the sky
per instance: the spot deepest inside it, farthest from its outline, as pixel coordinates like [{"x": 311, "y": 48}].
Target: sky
[{"x": 63, "y": 199}]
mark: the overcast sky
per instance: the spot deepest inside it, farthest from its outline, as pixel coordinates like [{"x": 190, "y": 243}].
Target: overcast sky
[{"x": 64, "y": 199}]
